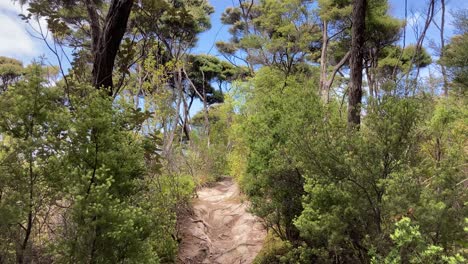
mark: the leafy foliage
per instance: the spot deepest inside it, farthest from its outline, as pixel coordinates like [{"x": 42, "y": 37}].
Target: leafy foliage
[
  {"x": 10, "y": 70},
  {"x": 353, "y": 186},
  {"x": 90, "y": 178},
  {"x": 76, "y": 181}
]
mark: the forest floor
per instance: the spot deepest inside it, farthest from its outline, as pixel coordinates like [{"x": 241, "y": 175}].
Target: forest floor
[{"x": 220, "y": 230}]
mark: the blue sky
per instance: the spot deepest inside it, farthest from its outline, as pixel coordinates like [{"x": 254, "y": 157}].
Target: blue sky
[
  {"x": 18, "y": 39},
  {"x": 15, "y": 38},
  {"x": 217, "y": 32},
  {"x": 416, "y": 14}
]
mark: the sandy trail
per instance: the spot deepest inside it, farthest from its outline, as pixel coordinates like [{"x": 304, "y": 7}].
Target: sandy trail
[{"x": 220, "y": 229}]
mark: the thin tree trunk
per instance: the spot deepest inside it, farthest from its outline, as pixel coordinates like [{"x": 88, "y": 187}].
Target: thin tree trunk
[
  {"x": 245, "y": 9},
  {"x": 94, "y": 25},
  {"x": 206, "y": 114},
  {"x": 442, "y": 48},
  {"x": 337, "y": 67},
  {"x": 178, "y": 94},
  {"x": 22, "y": 256},
  {"x": 203, "y": 98},
  {"x": 323, "y": 63},
  {"x": 186, "y": 119},
  {"x": 357, "y": 45},
  {"x": 419, "y": 44},
  {"x": 325, "y": 81}
]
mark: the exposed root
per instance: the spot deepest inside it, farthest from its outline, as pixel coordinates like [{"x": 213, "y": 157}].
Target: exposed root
[{"x": 227, "y": 233}]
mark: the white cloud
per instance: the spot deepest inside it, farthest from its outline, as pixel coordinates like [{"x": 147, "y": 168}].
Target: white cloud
[
  {"x": 10, "y": 6},
  {"x": 16, "y": 40}
]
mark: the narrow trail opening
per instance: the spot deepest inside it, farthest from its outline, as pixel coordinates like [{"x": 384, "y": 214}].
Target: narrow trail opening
[{"x": 220, "y": 229}]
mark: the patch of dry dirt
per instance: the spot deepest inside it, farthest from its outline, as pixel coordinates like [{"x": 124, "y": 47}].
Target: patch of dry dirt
[{"x": 220, "y": 229}]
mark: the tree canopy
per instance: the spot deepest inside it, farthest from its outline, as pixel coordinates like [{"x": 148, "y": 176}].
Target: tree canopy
[{"x": 348, "y": 140}]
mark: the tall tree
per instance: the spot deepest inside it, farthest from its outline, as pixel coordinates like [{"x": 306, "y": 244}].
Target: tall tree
[
  {"x": 275, "y": 33},
  {"x": 456, "y": 53},
  {"x": 80, "y": 24},
  {"x": 335, "y": 27},
  {"x": 442, "y": 47},
  {"x": 357, "y": 47},
  {"x": 10, "y": 71},
  {"x": 109, "y": 42}
]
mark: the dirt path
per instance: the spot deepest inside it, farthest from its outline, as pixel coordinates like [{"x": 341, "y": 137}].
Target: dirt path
[{"x": 221, "y": 230}]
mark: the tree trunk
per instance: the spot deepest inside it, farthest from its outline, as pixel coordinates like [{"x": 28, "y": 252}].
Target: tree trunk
[
  {"x": 186, "y": 120},
  {"x": 330, "y": 80},
  {"x": 206, "y": 114},
  {"x": 94, "y": 24},
  {"x": 178, "y": 93},
  {"x": 442, "y": 48},
  {"x": 357, "y": 45},
  {"x": 109, "y": 42},
  {"x": 323, "y": 63},
  {"x": 419, "y": 44},
  {"x": 325, "y": 81}
]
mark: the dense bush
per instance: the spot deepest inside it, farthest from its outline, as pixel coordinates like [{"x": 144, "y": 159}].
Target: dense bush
[
  {"x": 336, "y": 194},
  {"x": 82, "y": 185}
]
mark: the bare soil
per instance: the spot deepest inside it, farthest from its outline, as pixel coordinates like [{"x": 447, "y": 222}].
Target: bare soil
[{"x": 220, "y": 230}]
